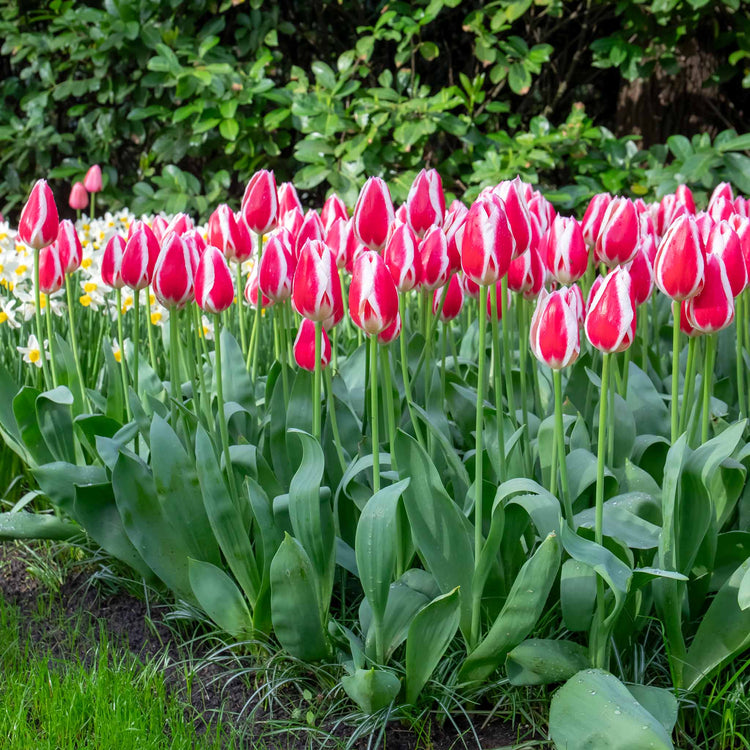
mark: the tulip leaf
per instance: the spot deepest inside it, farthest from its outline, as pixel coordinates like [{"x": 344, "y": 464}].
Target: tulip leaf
[
  {"x": 58, "y": 481},
  {"x": 238, "y": 385},
  {"x": 24, "y": 410},
  {"x": 430, "y": 634},
  {"x": 115, "y": 405},
  {"x": 538, "y": 661},
  {"x": 577, "y": 594},
  {"x": 371, "y": 689},
  {"x": 23, "y": 525}
]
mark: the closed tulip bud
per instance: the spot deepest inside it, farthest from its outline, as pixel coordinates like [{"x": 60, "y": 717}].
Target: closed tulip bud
[
  {"x": 251, "y": 290},
  {"x": 340, "y": 238},
  {"x": 741, "y": 227},
  {"x": 434, "y": 259},
  {"x": 312, "y": 229},
  {"x": 642, "y": 274},
  {"x": 224, "y": 232},
  {"x": 679, "y": 266},
  {"x": 685, "y": 325},
  {"x": 593, "y": 217},
  {"x": 400, "y": 215},
  {"x": 39, "y": 223},
  {"x": 617, "y": 241},
  {"x": 665, "y": 212},
  {"x": 93, "y": 179},
  {"x": 173, "y": 280},
  {"x": 51, "y": 276},
  {"x": 292, "y": 221},
  {"x": 391, "y": 333},
  {"x": 705, "y": 223},
  {"x": 139, "y": 260},
  {"x": 214, "y": 289},
  {"x": 455, "y": 222},
  {"x": 454, "y": 299},
  {"x": 196, "y": 246},
  {"x": 543, "y": 211},
  {"x": 260, "y": 203},
  {"x": 69, "y": 246},
  {"x": 373, "y": 299},
  {"x": 684, "y": 195},
  {"x": 712, "y": 309},
  {"x": 575, "y": 300},
  {"x": 112, "y": 262},
  {"x": 403, "y": 259},
  {"x": 277, "y": 269},
  {"x": 180, "y": 224},
  {"x": 288, "y": 199},
  {"x": 471, "y": 288},
  {"x": 554, "y": 337},
  {"x": 316, "y": 284},
  {"x": 724, "y": 242},
  {"x": 610, "y": 320},
  {"x": 79, "y": 197},
  {"x": 373, "y": 214},
  {"x": 598, "y": 280},
  {"x": 425, "y": 205},
  {"x": 304, "y": 347},
  {"x": 487, "y": 244},
  {"x": 741, "y": 206},
  {"x": 721, "y": 209},
  {"x": 517, "y": 213},
  {"x": 333, "y": 209},
  {"x": 526, "y": 274},
  {"x": 567, "y": 255},
  {"x": 722, "y": 191},
  {"x": 159, "y": 227}
]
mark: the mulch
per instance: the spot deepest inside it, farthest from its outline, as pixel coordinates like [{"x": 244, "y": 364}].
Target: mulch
[{"x": 136, "y": 626}]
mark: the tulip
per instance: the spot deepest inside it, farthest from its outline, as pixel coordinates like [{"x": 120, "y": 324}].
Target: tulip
[
  {"x": 311, "y": 229},
  {"x": 69, "y": 246},
  {"x": 403, "y": 259},
  {"x": 373, "y": 214},
  {"x": 333, "y": 210},
  {"x": 724, "y": 242},
  {"x": 617, "y": 241},
  {"x": 722, "y": 191},
  {"x": 373, "y": 298},
  {"x": 593, "y": 217},
  {"x": 642, "y": 274},
  {"x": 214, "y": 289},
  {"x": 452, "y": 300},
  {"x": 526, "y": 274},
  {"x": 391, "y": 333},
  {"x": 315, "y": 284},
  {"x": 541, "y": 210},
  {"x": 250, "y": 292},
  {"x": 304, "y": 347},
  {"x": 288, "y": 199},
  {"x": 344, "y": 245},
  {"x": 114, "y": 252},
  {"x": 260, "y": 203},
  {"x": 38, "y": 224},
  {"x": 721, "y": 209},
  {"x": 93, "y": 179},
  {"x": 173, "y": 280},
  {"x": 684, "y": 195},
  {"x": 277, "y": 269},
  {"x": 159, "y": 227},
  {"x": 487, "y": 244},
  {"x": 179, "y": 224},
  {"x": 433, "y": 259},
  {"x": 705, "y": 223},
  {"x": 516, "y": 212},
  {"x": 567, "y": 256},
  {"x": 425, "y": 204},
  {"x": 455, "y": 221},
  {"x": 196, "y": 246},
  {"x": 610, "y": 320},
  {"x": 139, "y": 258},
  {"x": 51, "y": 273},
  {"x": 679, "y": 265},
  {"x": 79, "y": 197},
  {"x": 292, "y": 221},
  {"x": 224, "y": 232}
]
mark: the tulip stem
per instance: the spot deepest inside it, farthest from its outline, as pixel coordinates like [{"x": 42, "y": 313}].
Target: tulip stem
[
  {"x": 316, "y": 379},
  {"x": 150, "y": 332},
  {"x": 478, "y": 464},
  {"x": 644, "y": 342},
  {"x": 599, "y": 642},
  {"x": 93, "y": 206},
  {"x": 374, "y": 418},
  {"x": 675, "y": 370},
  {"x": 195, "y": 325},
  {"x": 523, "y": 338},
  {"x": 49, "y": 338},
  {"x": 136, "y": 337},
  {"x": 38, "y": 320},
  {"x": 240, "y": 293},
  {"x": 507, "y": 364},
  {"x": 388, "y": 386},
  {"x": 708, "y": 366},
  {"x": 405, "y": 370},
  {"x": 74, "y": 342},
  {"x": 255, "y": 338},
  {"x": 174, "y": 367},
  {"x": 223, "y": 431},
  {"x": 560, "y": 439},
  {"x": 281, "y": 310},
  {"x": 123, "y": 364},
  {"x": 740, "y": 318},
  {"x": 687, "y": 399},
  {"x": 497, "y": 377},
  {"x": 443, "y": 353},
  {"x": 334, "y": 420}
]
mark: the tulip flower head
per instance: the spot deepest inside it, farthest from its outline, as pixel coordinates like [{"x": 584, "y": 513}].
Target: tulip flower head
[
  {"x": 224, "y": 232},
  {"x": 373, "y": 299},
  {"x": 214, "y": 289},
  {"x": 724, "y": 242},
  {"x": 333, "y": 210},
  {"x": 79, "y": 197},
  {"x": 277, "y": 268},
  {"x": 260, "y": 203},
  {"x": 344, "y": 245},
  {"x": 434, "y": 259},
  {"x": 554, "y": 337},
  {"x": 487, "y": 245},
  {"x": 316, "y": 287},
  {"x": 173, "y": 281},
  {"x": 403, "y": 259},
  {"x": 679, "y": 266},
  {"x": 373, "y": 214},
  {"x": 139, "y": 260},
  {"x": 617, "y": 241},
  {"x": 517, "y": 213},
  {"x": 51, "y": 274},
  {"x": 304, "y": 347},
  {"x": 526, "y": 274},
  {"x": 567, "y": 254},
  {"x": 93, "y": 179},
  {"x": 425, "y": 205},
  {"x": 311, "y": 229},
  {"x": 39, "y": 222},
  {"x": 610, "y": 320},
  {"x": 712, "y": 309},
  {"x": 69, "y": 246},
  {"x": 593, "y": 217},
  {"x": 288, "y": 199},
  {"x": 454, "y": 299}
]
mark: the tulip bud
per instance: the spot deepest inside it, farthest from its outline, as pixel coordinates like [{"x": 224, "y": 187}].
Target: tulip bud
[
  {"x": 312, "y": 229},
  {"x": 391, "y": 333},
  {"x": 575, "y": 300},
  {"x": 173, "y": 281},
  {"x": 610, "y": 321},
  {"x": 665, "y": 213},
  {"x": 679, "y": 266},
  {"x": 592, "y": 219},
  {"x": 251, "y": 290},
  {"x": 93, "y": 179},
  {"x": 180, "y": 224},
  {"x": 112, "y": 262},
  {"x": 705, "y": 223},
  {"x": 214, "y": 289},
  {"x": 471, "y": 288},
  {"x": 196, "y": 246},
  {"x": 139, "y": 259},
  {"x": 712, "y": 309},
  {"x": 333, "y": 209},
  {"x": 434, "y": 260},
  {"x": 487, "y": 243},
  {"x": 316, "y": 284},
  {"x": 641, "y": 274},
  {"x": 292, "y": 221},
  {"x": 69, "y": 246},
  {"x": 51, "y": 276},
  {"x": 277, "y": 268},
  {"x": 741, "y": 227},
  {"x": 741, "y": 207},
  {"x": 454, "y": 299},
  {"x": 453, "y": 227},
  {"x": 159, "y": 227},
  {"x": 543, "y": 211},
  {"x": 425, "y": 205},
  {"x": 516, "y": 212},
  {"x": 340, "y": 238},
  {"x": 722, "y": 191},
  {"x": 617, "y": 241},
  {"x": 721, "y": 209},
  {"x": 288, "y": 199},
  {"x": 79, "y": 197},
  {"x": 373, "y": 299},
  {"x": 567, "y": 255},
  {"x": 373, "y": 214},
  {"x": 684, "y": 195},
  {"x": 304, "y": 347},
  {"x": 526, "y": 274},
  {"x": 403, "y": 259},
  {"x": 554, "y": 336},
  {"x": 724, "y": 242},
  {"x": 224, "y": 232},
  {"x": 38, "y": 224},
  {"x": 685, "y": 325},
  {"x": 260, "y": 203}
]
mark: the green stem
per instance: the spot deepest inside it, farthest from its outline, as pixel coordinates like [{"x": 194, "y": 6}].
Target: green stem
[
  {"x": 388, "y": 386},
  {"x": 523, "y": 335},
  {"x": 174, "y": 367},
  {"x": 443, "y": 351},
  {"x": 49, "y": 338},
  {"x": 74, "y": 341},
  {"x": 374, "y": 418},
  {"x": 150, "y": 333},
  {"x": 240, "y": 305},
  {"x": 707, "y": 386},
  {"x": 405, "y": 371},
  {"x": 223, "y": 431},
  {"x": 93, "y": 206},
  {"x": 283, "y": 333},
  {"x": 258, "y": 314},
  {"x": 136, "y": 337},
  {"x": 38, "y": 319},
  {"x": 675, "y": 370},
  {"x": 560, "y": 439},
  {"x": 600, "y": 647},
  {"x": 505, "y": 322},
  {"x": 497, "y": 379},
  {"x": 478, "y": 458},
  {"x": 316, "y": 380},
  {"x": 740, "y": 318},
  {"x": 687, "y": 400},
  {"x": 123, "y": 364}
]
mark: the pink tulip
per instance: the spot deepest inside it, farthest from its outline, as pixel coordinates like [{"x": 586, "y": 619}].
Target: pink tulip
[
  {"x": 316, "y": 285},
  {"x": 214, "y": 289},
  {"x": 373, "y": 299},
  {"x": 173, "y": 280},
  {"x": 712, "y": 309},
  {"x": 304, "y": 347},
  {"x": 403, "y": 259},
  {"x": 79, "y": 197},
  {"x": 260, "y": 203},
  {"x": 679, "y": 266},
  {"x": 373, "y": 214},
  {"x": 487, "y": 244},
  {"x": 425, "y": 205},
  {"x": 39, "y": 223},
  {"x": 69, "y": 246},
  {"x": 610, "y": 320},
  {"x": 51, "y": 275},
  {"x": 554, "y": 335},
  {"x": 93, "y": 179},
  {"x": 112, "y": 262}
]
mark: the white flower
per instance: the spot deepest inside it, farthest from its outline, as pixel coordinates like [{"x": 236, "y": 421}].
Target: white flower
[
  {"x": 8, "y": 313},
  {"x": 31, "y": 353}
]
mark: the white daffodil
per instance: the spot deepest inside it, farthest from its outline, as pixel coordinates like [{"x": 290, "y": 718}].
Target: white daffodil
[
  {"x": 32, "y": 353},
  {"x": 8, "y": 313}
]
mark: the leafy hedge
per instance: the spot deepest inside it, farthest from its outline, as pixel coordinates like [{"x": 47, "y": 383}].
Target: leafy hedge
[{"x": 181, "y": 103}]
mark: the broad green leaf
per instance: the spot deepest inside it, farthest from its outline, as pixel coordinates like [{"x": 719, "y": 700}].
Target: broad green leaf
[
  {"x": 743, "y": 593},
  {"x": 58, "y": 481},
  {"x": 371, "y": 689},
  {"x": 538, "y": 661},
  {"x": 22, "y": 525},
  {"x": 24, "y": 411},
  {"x": 577, "y": 594},
  {"x": 53, "y": 411},
  {"x": 430, "y": 634},
  {"x": 619, "y": 522},
  {"x": 659, "y": 702}
]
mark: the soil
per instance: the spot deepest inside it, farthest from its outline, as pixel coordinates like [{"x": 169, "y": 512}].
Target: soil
[{"x": 134, "y": 626}]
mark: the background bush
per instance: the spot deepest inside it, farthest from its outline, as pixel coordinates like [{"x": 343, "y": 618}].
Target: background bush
[{"x": 181, "y": 102}]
